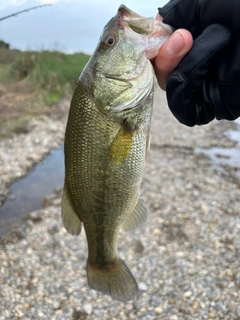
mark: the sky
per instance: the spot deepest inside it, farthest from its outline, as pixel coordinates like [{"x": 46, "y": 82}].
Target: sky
[{"x": 67, "y": 25}]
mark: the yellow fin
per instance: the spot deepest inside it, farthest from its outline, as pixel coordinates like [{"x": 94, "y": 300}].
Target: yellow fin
[
  {"x": 121, "y": 145},
  {"x": 136, "y": 218},
  {"x": 114, "y": 279},
  {"x": 71, "y": 221}
]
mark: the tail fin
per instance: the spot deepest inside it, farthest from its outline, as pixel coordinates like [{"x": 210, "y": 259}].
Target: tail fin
[{"x": 115, "y": 279}]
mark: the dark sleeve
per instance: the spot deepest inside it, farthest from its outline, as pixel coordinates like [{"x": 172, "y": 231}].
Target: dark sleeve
[
  {"x": 192, "y": 89},
  {"x": 205, "y": 85},
  {"x": 190, "y": 14}
]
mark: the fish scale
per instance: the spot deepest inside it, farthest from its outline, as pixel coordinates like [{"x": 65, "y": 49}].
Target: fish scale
[
  {"x": 105, "y": 147},
  {"x": 94, "y": 181}
]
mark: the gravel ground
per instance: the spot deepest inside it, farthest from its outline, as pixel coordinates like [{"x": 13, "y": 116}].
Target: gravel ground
[{"x": 185, "y": 258}]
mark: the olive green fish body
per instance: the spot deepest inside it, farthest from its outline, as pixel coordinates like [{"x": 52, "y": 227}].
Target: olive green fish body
[
  {"x": 103, "y": 174},
  {"x": 106, "y": 142}
]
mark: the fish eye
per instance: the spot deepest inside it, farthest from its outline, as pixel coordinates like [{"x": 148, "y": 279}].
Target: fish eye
[{"x": 110, "y": 41}]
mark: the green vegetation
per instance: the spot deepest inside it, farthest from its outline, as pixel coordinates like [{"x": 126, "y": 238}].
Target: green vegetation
[
  {"x": 32, "y": 83},
  {"x": 4, "y": 44},
  {"x": 53, "y": 73}
]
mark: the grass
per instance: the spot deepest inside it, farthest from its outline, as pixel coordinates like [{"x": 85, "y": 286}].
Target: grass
[
  {"x": 32, "y": 82},
  {"x": 53, "y": 73}
]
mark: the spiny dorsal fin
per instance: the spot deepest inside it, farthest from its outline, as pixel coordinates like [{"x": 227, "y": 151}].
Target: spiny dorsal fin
[
  {"x": 71, "y": 221},
  {"x": 137, "y": 217}
]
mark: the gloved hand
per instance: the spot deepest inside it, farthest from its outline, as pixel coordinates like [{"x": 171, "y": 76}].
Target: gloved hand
[{"x": 206, "y": 84}]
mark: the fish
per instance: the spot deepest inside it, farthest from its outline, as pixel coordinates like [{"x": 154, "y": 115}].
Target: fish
[{"x": 106, "y": 144}]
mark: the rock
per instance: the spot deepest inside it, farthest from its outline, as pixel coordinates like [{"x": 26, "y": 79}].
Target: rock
[
  {"x": 87, "y": 308},
  {"x": 56, "y": 304},
  {"x": 187, "y": 294},
  {"x": 158, "y": 310},
  {"x": 142, "y": 286},
  {"x": 19, "y": 312}
]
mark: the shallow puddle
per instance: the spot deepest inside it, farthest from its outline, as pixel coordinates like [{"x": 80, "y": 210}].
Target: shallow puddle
[
  {"x": 27, "y": 193},
  {"x": 226, "y": 156}
]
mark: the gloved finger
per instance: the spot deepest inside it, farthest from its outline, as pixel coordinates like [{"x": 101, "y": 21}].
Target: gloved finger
[{"x": 183, "y": 84}]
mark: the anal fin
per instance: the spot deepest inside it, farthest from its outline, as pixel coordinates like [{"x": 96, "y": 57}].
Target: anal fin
[
  {"x": 137, "y": 217},
  {"x": 71, "y": 222}
]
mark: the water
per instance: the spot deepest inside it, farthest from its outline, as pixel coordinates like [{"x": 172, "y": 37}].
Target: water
[
  {"x": 228, "y": 156},
  {"x": 28, "y": 192}
]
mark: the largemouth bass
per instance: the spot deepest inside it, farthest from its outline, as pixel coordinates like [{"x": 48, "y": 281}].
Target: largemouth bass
[{"x": 106, "y": 143}]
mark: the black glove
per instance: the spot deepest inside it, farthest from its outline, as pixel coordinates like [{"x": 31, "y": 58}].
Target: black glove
[{"x": 206, "y": 84}]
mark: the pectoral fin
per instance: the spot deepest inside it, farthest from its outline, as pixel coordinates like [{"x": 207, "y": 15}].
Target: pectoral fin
[
  {"x": 71, "y": 221},
  {"x": 137, "y": 217},
  {"x": 121, "y": 145}
]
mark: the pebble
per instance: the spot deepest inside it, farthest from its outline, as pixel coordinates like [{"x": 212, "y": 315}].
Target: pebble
[
  {"x": 158, "y": 310},
  {"x": 40, "y": 314},
  {"x": 19, "y": 312},
  {"x": 187, "y": 294},
  {"x": 142, "y": 286},
  {"x": 56, "y": 305},
  {"x": 191, "y": 271},
  {"x": 87, "y": 308}
]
